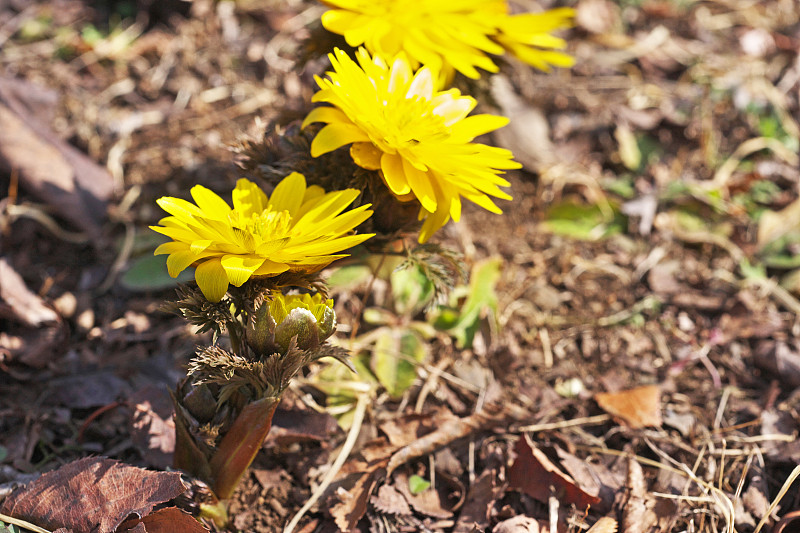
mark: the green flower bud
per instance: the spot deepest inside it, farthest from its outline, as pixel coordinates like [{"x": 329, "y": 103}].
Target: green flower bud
[
  {"x": 261, "y": 331},
  {"x": 309, "y": 318}
]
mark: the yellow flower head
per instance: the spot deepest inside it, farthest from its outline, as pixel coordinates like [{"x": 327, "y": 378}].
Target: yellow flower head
[
  {"x": 446, "y": 34},
  {"x": 297, "y": 228},
  {"x": 419, "y": 138}
]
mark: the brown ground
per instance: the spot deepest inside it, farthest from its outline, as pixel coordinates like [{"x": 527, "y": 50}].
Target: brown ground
[{"x": 675, "y": 271}]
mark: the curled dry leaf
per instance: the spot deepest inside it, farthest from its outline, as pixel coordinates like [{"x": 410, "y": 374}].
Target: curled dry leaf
[
  {"x": 92, "y": 494},
  {"x": 534, "y": 474},
  {"x": 637, "y": 408},
  {"x": 604, "y": 525},
  {"x": 42, "y": 331}
]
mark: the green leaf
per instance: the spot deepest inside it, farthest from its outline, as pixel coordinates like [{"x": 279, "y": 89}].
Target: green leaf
[
  {"x": 394, "y": 355},
  {"x": 411, "y": 289},
  {"x": 149, "y": 273},
  {"x": 481, "y": 298},
  {"x": 583, "y": 222},
  {"x": 349, "y": 277},
  {"x": 417, "y": 484}
]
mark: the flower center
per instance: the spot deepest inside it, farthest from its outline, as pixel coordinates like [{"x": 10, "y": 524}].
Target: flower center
[{"x": 268, "y": 225}]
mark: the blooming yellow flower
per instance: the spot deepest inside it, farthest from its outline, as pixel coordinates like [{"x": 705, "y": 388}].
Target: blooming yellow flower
[
  {"x": 297, "y": 228},
  {"x": 419, "y": 138},
  {"x": 444, "y": 34}
]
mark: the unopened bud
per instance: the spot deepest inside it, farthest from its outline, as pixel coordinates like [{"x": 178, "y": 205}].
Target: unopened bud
[
  {"x": 309, "y": 318},
  {"x": 261, "y": 331}
]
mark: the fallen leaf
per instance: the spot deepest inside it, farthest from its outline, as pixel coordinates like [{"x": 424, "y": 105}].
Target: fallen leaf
[
  {"x": 428, "y": 502},
  {"x": 779, "y": 359},
  {"x": 301, "y": 425},
  {"x": 604, "y": 525},
  {"x": 481, "y": 497},
  {"x": 637, "y": 408},
  {"x": 518, "y": 524},
  {"x": 388, "y": 500},
  {"x": 41, "y": 332},
  {"x": 169, "y": 520},
  {"x": 94, "y": 494},
  {"x": 637, "y": 509},
  {"x": 49, "y": 168},
  {"x": 152, "y": 426},
  {"x": 88, "y": 389},
  {"x": 535, "y": 475},
  {"x": 18, "y": 302},
  {"x": 595, "y": 478}
]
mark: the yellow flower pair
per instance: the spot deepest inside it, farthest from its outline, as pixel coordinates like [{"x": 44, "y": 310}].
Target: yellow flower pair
[{"x": 389, "y": 108}]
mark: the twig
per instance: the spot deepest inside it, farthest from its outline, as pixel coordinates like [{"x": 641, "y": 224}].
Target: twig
[
  {"x": 22, "y": 523},
  {"x": 589, "y": 420}
]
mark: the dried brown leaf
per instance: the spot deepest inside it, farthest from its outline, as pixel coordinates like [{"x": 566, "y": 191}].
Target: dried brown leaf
[
  {"x": 152, "y": 426},
  {"x": 535, "y": 475},
  {"x": 637, "y": 408},
  {"x": 428, "y": 502},
  {"x": 94, "y": 494},
  {"x": 637, "y": 510},
  {"x": 51, "y": 169},
  {"x": 518, "y": 524},
  {"x": 604, "y": 525},
  {"x": 388, "y": 500},
  {"x": 169, "y": 520},
  {"x": 17, "y": 301},
  {"x": 595, "y": 478},
  {"x": 290, "y": 426},
  {"x": 482, "y": 495}
]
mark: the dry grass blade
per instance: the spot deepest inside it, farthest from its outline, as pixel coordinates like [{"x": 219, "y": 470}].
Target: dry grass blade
[
  {"x": 349, "y": 443},
  {"x": 784, "y": 489}
]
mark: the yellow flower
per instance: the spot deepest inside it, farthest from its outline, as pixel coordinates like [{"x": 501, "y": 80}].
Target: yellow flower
[
  {"x": 419, "y": 138},
  {"x": 297, "y": 228},
  {"x": 445, "y": 34}
]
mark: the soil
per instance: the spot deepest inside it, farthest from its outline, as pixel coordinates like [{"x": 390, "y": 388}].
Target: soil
[{"x": 643, "y": 354}]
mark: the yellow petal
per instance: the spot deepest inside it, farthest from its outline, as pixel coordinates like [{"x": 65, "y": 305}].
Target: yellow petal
[
  {"x": 325, "y": 114},
  {"x": 179, "y": 208},
  {"x": 422, "y": 84},
  {"x": 200, "y": 246},
  {"x": 170, "y": 248},
  {"x": 420, "y": 184},
  {"x": 180, "y": 261},
  {"x": 476, "y": 125},
  {"x": 288, "y": 194},
  {"x": 271, "y": 268},
  {"x": 212, "y": 205},
  {"x": 270, "y": 247},
  {"x": 433, "y": 221},
  {"x": 248, "y": 198},
  {"x": 393, "y": 175},
  {"x": 366, "y": 155},
  {"x": 211, "y": 279},
  {"x": 239, "y": 268},
  {"x": 336, "y": 135}
]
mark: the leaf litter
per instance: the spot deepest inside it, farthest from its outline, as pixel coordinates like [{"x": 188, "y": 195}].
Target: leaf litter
[{"x": 674, "y": 139}]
